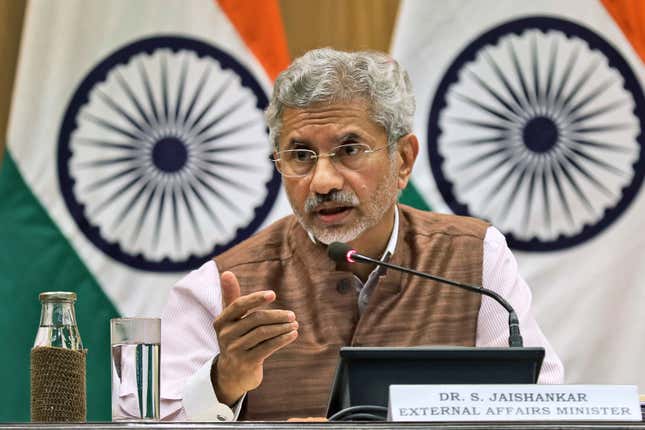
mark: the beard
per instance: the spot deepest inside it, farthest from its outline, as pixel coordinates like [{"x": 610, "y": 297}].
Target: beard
[{"x": 372, "y": 212}]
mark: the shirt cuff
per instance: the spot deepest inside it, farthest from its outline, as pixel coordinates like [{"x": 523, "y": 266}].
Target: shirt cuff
[{"x": 200, "y": 401}]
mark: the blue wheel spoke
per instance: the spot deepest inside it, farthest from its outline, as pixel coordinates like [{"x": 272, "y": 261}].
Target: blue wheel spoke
[
  {"x": 230, "y": 111},
  {"x": 129, "y": 205},
  {"x": 203, "y": 148},
  {"x": 478, "y": 178},
  {"x": 483, "y": 107},
  {"x": 175, "y": 215},
  {"x": 119, "y": 110},
  {"x": 131, "y": 146},
  {"x": 143, "y": 214},
  {"x": 574, "y": 184},
  {"x": 602, "y": 128},
  {"x": 545, "y": 197},
  {"x": 499, "y": 138},
  {"x": 566, "y": 75},
  {"x": 520, "y": 105},
  {"x": 193, "y": 100},
  {"x": 135, "y": 101},
  {"x": 222, "y": 163},
  {"x": 189, "y": 208},
  {"x": 229, "y": 131},
  {"x": 152, "y": 104},
  {"x": 585, "y": 101},
  {"x": 109, "y": 161},
  {"x": 599, "y": 145},
  {"x": 181, "y": 89},
  {"x": 113, "y": 127},
  {"x": 566, "y": 101},
  {"x": 115, "y": 195},
  {"x": 521, "y": 170},
  {"x": 597, "y": 112},
  {"x": 520, "y": 77},
  {"x": 228, "y": 202},
  {"x": 550, "y": 75},
  {"x": 502, "y": 182},
  {"x": 517, "y": 109},
  {"x": 561, "y": 194},
  {"x": 93, "y": 186},
  {"x": 606, "y": 166},
  {"x": 195, "y": 123},
  {"x": 164, "y": 89},
  {"x": 474, "y": 161},
  {"x": 572, "y": 161},
  {"x": 207, "y": 207},
  {"x": 480, "y": 124},
  {"x": 160, "y": 212},
  {"x": 238, "y": 184},
  {"x": 529, "y": 196},
  {"x": 535, "y": 62}
]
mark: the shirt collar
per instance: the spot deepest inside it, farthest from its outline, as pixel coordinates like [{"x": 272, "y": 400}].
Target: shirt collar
[{"x": 391, "y": 244}]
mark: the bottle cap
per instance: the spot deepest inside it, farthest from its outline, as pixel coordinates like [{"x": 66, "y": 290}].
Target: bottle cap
[{"x": 57, "y": 296}]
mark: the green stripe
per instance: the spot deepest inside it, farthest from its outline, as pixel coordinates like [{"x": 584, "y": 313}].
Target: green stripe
[
  {"x": 36, "y": 257},
  {"x": 410, "y": 196}
]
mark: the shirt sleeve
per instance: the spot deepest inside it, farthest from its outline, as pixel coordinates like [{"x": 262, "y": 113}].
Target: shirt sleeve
[
  {"x": 500, "y": 274},
  {"x": 188, "y": 347}
]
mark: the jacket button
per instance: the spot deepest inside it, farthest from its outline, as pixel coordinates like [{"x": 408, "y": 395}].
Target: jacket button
[{"x": 343, "y": 286}]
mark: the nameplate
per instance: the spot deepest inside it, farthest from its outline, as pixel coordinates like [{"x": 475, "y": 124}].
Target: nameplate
[{"x": 514, "y": 403}]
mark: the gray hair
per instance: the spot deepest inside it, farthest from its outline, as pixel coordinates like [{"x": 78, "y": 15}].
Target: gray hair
[{"x": 329, "y": 76}]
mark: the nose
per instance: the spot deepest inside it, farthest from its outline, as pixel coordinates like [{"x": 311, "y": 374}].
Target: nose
[{"x": 325, "y": 177}]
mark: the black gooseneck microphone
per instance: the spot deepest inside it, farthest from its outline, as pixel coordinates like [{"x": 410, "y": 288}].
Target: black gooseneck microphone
[{"x": 342, "y": 252}]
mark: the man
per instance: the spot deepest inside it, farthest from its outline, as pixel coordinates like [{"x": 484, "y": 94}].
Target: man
[{"x": 257, "y": 331}]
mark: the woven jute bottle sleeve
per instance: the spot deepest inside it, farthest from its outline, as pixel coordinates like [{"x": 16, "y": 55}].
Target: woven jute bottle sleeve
[{"x": 58, "y": 385}]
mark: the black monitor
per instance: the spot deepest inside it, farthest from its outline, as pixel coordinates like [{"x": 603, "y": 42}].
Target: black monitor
[{"x": 363, "y": 375}]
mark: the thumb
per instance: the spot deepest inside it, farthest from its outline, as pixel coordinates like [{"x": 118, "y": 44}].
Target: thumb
[{"x": 230, "y": 288}]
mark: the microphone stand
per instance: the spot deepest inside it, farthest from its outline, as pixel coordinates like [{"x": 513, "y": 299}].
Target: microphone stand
[{"x": 515, "y": 337}]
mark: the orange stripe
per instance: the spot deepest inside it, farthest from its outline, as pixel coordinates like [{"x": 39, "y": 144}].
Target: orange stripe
[
  {"x": 630, "y": 17},
  {"x": 260, "y": 26}
]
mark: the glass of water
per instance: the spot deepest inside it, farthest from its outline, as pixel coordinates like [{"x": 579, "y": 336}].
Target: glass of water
[{"x": 135, "y": 360}]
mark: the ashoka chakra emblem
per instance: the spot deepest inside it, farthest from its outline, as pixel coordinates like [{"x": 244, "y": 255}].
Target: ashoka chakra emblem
[
  {"x": 163, "y": 154},
  {"x": 537, "y": 126}
]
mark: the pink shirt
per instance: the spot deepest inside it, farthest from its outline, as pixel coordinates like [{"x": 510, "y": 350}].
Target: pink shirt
[{"x": 189, "y": 342}]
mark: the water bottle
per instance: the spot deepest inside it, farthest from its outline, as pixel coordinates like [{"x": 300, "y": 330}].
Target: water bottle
[{"x": 58, "y": 362}]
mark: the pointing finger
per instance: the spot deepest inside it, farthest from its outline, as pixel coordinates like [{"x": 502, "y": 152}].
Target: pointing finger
[{"x": 230, "y": 288}]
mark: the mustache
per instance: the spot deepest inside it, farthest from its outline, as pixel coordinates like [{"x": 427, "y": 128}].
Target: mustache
[{"x": 342, "y": 197}]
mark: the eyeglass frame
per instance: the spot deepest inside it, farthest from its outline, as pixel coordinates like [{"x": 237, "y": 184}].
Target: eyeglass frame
[{"x": 330, "y": 154}]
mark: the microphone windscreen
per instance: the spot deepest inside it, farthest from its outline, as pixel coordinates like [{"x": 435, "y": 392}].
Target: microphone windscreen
[{"x": 337, "y": 251}]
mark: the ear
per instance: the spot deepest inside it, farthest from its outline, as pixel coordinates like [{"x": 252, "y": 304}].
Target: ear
[{"x": 408, "y": 149}]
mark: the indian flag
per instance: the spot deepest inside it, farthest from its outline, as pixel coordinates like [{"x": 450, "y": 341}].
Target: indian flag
[
  {"x": 136, "y": 150},
  {"x": 532, "y": 116}
]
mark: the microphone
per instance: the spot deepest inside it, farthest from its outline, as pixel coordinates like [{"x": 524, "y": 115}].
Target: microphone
[{"x": 342, "y": 252}]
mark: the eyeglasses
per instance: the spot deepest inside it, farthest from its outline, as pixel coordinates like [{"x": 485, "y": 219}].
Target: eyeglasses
[{"x": 300, "y": 162}]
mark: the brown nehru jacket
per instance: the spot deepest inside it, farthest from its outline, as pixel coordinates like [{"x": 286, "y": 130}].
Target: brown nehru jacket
[{"x": 402, "y": 311}]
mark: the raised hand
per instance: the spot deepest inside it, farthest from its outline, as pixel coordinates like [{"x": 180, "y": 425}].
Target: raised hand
[{"x": 247, "y": 336}]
